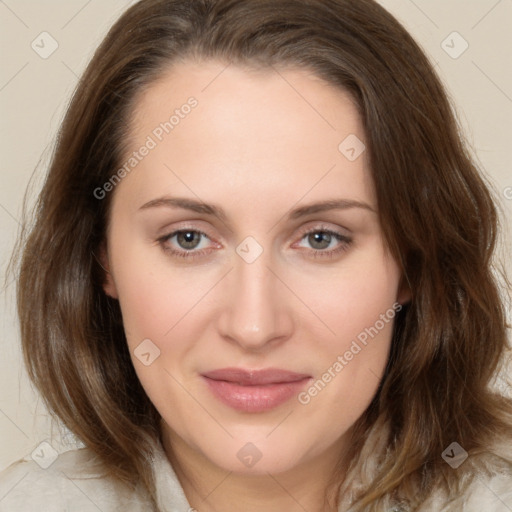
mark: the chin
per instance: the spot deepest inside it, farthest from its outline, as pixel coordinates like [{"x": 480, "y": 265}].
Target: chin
[{"x": 258, "y": 458}]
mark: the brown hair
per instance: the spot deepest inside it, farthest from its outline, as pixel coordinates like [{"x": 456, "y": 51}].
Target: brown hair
[{"x": 436, "y": 212}]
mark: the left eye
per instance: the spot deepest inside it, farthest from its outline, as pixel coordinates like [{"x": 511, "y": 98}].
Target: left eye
[
  {"x": 321, "y": 240},
  {"x": 324, "y": 240}
]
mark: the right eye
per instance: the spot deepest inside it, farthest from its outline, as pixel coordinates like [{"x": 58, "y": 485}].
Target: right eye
[{"x": 185, "y": 243}]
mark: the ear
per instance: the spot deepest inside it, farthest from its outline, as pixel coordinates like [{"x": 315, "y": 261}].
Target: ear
[{"x": 109, "y": 286}]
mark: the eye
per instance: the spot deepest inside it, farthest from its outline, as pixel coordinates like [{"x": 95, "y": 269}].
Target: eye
[
  {"x": 185, "y": 243},
  {"x": 320, "y": 239},
  {"x": 192, "y": 243},
  {"x": 325, "y": 242}
]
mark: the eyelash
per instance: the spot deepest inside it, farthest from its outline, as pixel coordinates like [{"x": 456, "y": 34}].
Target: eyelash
[{"x": 345, "y": 242}]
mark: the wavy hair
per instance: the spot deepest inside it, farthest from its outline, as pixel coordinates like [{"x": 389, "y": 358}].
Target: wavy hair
[{"x": 437, "y": 215}]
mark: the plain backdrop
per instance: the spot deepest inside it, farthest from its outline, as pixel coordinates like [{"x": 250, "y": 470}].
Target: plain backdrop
[{"x": 35, "y": 88}]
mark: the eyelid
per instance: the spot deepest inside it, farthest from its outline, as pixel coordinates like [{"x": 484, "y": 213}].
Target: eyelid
[
  {"x": 190, "y": 225},
  {"x": 323, "y": 226}
]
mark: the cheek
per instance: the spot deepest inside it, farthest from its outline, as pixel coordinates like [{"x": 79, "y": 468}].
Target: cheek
[
  {"x": 349, "y": 299},
  {"x": 153, "y": 294},
  {"x": 158, "y": 309},
  {"x": 170, "y": 307},
  {"x": 357, "y": 308},
  {"x": 144, "y": 302}
]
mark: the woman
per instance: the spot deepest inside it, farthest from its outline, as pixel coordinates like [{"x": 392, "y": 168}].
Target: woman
[{"x": 267, "y": 280}]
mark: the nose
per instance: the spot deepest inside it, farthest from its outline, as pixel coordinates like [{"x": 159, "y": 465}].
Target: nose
[{"x": 256, "y": 310}]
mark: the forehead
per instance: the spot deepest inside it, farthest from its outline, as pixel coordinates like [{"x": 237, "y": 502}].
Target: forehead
[{"x": 254, "y": 130}]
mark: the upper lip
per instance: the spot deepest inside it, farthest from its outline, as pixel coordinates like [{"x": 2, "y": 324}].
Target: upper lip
[{"x": 255, "y": 377}]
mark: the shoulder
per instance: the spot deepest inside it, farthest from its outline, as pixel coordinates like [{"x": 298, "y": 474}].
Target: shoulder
[
  {"x": 483, "y": 493},
  {"x": 70, "y": 483},
  {"x": 491, "y": 493},
  {"x": 491, "y": 487}
]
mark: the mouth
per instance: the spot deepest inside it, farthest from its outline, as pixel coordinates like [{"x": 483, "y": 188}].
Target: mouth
[{"x": 254, "y": 390}]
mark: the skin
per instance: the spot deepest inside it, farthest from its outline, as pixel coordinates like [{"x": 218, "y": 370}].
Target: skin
[{"x": 259, "y": 144}]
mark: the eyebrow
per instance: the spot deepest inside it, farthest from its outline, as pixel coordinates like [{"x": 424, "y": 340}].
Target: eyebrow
[
  {"x": 217, "y": 211},
  {"x": 333, "y": 204},
  {"x": 186, "y": 204}
]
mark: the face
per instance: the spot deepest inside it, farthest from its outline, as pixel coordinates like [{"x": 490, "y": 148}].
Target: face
[{"x": 245, "y": 250}]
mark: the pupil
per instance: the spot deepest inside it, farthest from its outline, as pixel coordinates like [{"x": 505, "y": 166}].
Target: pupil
[
  {"x": 320, "y": 240},
  {"x": 188, "y": 239}
]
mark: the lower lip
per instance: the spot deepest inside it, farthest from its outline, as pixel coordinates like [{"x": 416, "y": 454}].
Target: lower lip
[{"x": 255, "y": 398}]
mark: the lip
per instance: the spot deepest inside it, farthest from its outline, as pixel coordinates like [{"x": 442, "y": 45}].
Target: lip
[{"x": 254, "y": 390}]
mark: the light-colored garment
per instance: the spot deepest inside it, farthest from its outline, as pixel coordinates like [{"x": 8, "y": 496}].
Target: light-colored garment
[{"x": 69, "y": 485}]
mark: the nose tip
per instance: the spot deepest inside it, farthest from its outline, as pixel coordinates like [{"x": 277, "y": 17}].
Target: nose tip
[
  {"x": 252, "y": 336},
  {"x": 255, "y": 310}
]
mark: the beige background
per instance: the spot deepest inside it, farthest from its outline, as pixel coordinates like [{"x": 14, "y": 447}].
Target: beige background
[{"x": 34, "y": 92}]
